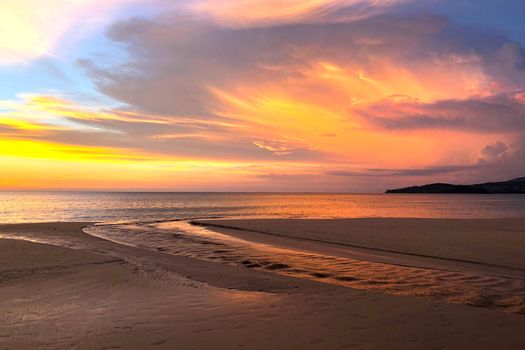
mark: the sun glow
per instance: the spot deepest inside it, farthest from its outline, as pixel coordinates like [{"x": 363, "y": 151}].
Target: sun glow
[{"x": 29, "y": 29}]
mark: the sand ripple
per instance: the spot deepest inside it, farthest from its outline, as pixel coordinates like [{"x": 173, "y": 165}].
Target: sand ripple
[{"x": 181, "y": 238}]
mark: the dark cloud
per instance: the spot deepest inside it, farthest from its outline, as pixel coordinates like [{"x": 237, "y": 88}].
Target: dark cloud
[
  {"x": 504, "y": 113},
  {"x": 410, "y": 172},
  {"x": 495, "y": 152},
  {"x": 506, "y": 160}
]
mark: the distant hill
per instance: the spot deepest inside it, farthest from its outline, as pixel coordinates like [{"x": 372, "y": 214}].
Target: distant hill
[{"x": 511, "y": 186}]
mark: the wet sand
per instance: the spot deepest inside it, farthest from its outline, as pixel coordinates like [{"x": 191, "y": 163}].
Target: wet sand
[
  {"x": 497, "y": 242},
  {"x": 90, "y": 293}
]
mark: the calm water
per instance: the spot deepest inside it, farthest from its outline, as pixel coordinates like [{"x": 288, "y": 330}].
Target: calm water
[{"x": 139, "y": 207}]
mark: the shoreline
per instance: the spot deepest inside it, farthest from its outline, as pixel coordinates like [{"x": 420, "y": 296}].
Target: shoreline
[{"x": 84, "y": 295}]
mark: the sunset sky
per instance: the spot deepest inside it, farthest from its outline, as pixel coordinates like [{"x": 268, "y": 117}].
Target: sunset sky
[{"x": 260, "y": 95}]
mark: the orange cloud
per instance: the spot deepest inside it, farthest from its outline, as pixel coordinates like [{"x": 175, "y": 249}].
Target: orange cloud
[
  {"x": 328, "y": 98},
  {"x": 31, "y": 159},
  {"x": 45, "y": 165},
  {"x": 245, "y": 12}
]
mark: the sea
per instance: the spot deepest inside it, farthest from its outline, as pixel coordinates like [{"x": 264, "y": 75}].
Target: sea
[{"x": 126, "y": 207}]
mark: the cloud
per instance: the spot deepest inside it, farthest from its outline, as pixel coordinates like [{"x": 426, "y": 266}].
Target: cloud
[
  {"x": 54, "y": 118},
  {"x": 409, "y": 172},
  {"x": 303, "y": 80},
  {"x": 505, "y": 159},
  {"x": 257, "y": 13},
  {"x": 70, "y": 145},
  {"x": 176, "y": 59},
  {"x": 491, "y": 114},
  {"x": 29, "y": 30},
  {"x": 280, "y": 147},
  {"x": 495, "y": 152}
]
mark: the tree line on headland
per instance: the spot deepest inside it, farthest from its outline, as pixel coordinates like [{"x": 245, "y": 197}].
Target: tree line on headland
[{"x": 504, "y": 187}]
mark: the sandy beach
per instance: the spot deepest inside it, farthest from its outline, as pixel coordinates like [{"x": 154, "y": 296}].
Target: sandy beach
[
  {"x": 482, "y": 244},
  {"x": 62, "y": 288}
]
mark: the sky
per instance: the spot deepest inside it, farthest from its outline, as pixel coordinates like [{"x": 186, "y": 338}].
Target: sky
[{"x": 260, "y": 95}]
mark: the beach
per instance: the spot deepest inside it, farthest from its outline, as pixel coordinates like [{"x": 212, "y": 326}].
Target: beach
[
  {"x": 63, "y": 288},
  {"x": 262, "y": 175},
  {"x": 489, "y": 242}
]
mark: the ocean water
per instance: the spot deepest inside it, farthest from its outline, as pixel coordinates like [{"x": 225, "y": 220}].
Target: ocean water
[{"x": 17, "y": 207}]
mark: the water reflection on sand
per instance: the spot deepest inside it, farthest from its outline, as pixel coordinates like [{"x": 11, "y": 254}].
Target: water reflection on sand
[{"x": 182, "y": 238}]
